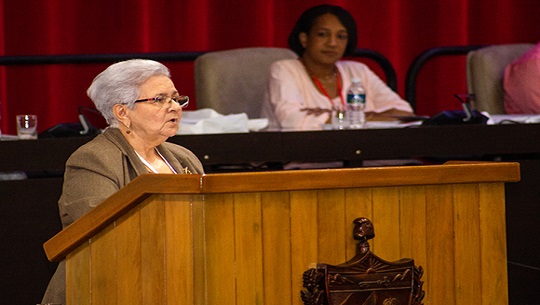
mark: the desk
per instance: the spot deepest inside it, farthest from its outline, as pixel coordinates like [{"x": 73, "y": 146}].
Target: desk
[
  {"x": 48, "y": 156},
  {"x": 45, "y": 159}
]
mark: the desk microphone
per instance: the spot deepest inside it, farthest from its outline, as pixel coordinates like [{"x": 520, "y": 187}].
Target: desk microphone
[
  {"x": 84, "y": 122},
  {"x": 458, "y": 117},
  {"x": 466, "y": 104},
  {"x": 75, "y": 129}
]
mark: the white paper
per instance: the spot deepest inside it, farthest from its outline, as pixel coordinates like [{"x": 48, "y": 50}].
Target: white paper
[{"x": 206, "y": 121}]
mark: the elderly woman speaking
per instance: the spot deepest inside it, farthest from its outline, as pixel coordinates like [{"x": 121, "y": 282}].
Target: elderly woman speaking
[{"x": 143, "y": 109}]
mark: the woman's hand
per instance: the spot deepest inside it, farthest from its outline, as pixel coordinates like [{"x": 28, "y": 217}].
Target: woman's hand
[
  {"x": 316, "y": 111},
  {"x": 390, "y": 115}
]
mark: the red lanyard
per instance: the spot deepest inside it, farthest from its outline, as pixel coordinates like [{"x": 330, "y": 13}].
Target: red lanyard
[
  {"x": 321, "y": 88},
  {"x": 339, "y": 87}
]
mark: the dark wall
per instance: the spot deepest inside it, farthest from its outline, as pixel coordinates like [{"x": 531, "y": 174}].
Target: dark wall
[
  {"x": 522, "y": 234},
  {"x": 28, "y": 218}
]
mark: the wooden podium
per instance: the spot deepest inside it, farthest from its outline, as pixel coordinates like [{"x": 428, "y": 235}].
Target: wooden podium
[{"x": 246, "y": 238}]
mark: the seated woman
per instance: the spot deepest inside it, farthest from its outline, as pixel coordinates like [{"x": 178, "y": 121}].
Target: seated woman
[
  {"x": 302, "y": 93},
  {"x": 143, "y": 109}
]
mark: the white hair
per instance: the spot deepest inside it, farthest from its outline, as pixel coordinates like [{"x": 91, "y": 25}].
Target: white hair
[{"x": 120, "y": 84}]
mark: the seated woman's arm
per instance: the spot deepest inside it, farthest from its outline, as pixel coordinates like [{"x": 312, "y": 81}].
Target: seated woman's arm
[
  {"x": 389, "y": 115},
  {"x": 295, "y": 106}
]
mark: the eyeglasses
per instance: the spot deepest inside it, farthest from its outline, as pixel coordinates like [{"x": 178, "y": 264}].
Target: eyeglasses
[{"x": 182, "y": 100}]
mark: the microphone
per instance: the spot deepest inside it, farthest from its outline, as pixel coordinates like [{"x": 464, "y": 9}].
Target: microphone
[
  {"x": 466, "y": 104},
  {"x": 457, "y": 117},
  {"x": 86, "y": 126},
  {"x": 74, "y": 129}
]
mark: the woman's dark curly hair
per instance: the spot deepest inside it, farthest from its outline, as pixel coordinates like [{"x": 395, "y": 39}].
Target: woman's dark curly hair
[{"x": 307, "y": 19}]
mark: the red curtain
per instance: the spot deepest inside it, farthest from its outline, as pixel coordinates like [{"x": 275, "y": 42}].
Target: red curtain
[{"x": 399, "y": 29}]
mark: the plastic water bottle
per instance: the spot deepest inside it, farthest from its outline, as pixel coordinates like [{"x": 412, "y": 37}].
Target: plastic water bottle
[{"x": 356, "y": 103}]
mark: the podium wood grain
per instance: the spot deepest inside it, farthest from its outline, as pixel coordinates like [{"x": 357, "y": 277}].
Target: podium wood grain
[{"x": 246, "y": 238}]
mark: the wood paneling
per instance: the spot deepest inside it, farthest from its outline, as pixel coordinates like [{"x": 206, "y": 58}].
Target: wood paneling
[
  {"x": 276, "y": 209},
  {"x": 252, "y": 246},
  {"x": 439, "y": 268},
  {"x": 492, "y": 244},
  {"x": 220, "y": 251},
  {"x": 128, "y": 257},
  {"x": 78, "y": 276},
  {"x": 304, "y": 238}
]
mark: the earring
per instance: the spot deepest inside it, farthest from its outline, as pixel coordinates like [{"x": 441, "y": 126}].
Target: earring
[{"x": 128, "y": 128}]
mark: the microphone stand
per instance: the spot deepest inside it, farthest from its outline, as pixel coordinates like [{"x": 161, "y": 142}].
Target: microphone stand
[{"x": 466, "y": 104}]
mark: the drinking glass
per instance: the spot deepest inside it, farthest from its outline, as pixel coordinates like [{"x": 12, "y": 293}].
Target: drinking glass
[{"x": 27, "y": 126}]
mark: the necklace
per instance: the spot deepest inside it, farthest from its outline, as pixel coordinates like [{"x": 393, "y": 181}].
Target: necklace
[
  {"x": 153, "y": 169},
  {"x": 336, "y": 76},
  {"x": 329, "y": 79}
]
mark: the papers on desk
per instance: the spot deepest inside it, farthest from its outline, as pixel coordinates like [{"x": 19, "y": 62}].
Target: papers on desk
[
  {"x": 493, "y": 119},
  {"x": 8, "y": 137},
  {"x": 391, "y": 124},
  {"x": 512, "y": 118},
  {"x": 381, "y": 124},
  {"x": 206, "y": 121},
  {"x": 17, "y": 175}
]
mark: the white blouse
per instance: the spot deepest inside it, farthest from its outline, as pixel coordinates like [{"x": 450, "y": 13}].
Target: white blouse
[{"x": 290, "y": 89}]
